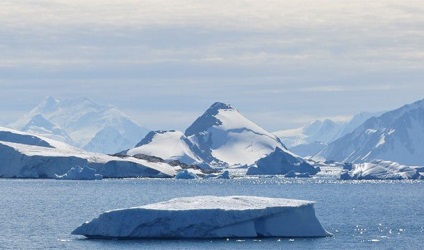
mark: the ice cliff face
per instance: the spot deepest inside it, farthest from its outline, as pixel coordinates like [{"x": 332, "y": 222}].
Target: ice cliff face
[
  {"x": 396, "y": 136},
  {"x": 209, "y": 217},
  {"x": 25, "y": 155},
  {"x": 83, "y": 123}
]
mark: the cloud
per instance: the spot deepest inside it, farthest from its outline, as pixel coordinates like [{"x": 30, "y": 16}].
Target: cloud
[{"x": 316, "y": 58}]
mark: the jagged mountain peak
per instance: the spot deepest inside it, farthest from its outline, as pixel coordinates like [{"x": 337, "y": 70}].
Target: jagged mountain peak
[
  {"x": 208, "y": 119},
  {"x": 83, "y": 120},
  {"x": 48, "y": 104},
  {"x": 397, "y": 135}
]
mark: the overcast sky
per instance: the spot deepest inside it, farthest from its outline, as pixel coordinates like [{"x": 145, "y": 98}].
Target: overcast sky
[{"x": 281, "y": 63}]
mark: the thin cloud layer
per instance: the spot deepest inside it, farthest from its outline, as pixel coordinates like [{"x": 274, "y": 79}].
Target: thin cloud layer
[{"x": 298, "y": 58}]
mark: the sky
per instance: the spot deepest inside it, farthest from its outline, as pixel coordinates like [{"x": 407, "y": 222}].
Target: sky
[{"x": 280, "y": 63}]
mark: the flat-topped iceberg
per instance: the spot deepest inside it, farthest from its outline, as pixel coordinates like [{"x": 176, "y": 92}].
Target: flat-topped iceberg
[
  {"x": 209, "y": 217},
  {"x": 380, "y": 170}
]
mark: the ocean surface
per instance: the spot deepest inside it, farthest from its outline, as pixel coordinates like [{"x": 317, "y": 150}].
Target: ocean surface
[{"x": 40, "y": 214}]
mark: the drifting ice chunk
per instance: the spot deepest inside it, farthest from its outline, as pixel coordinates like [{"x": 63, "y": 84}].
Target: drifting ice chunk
[
  {"x": 185, "y": 174},
  {"x": 209, "y": 217},
  {"x": 279, "y": 162},
  {"x": 79, "y": 173},
  {"x": 380, "y": 170}
]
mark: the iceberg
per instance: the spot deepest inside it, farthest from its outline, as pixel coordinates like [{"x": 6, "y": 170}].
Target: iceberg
[
  {"x": 185, "y": 174},
  {"x": 80, "y": 173},
  {"x": 209, "y": 217},
  {"x": 279, "y": 162},
  {"x": 379, "y": 170}
]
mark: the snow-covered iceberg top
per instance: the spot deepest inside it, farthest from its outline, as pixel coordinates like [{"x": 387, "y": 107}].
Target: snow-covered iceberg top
[
  {"x": 279, "y": 162},
  {"x": 209, "y": 217},
  {"x": 185, "y": 174},
  {"x": 380, "y": 170}
]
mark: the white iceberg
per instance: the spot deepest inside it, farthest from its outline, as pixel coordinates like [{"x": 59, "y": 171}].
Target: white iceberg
[
  {"x": 279, "y": 162},
  {"x": 380, "y": 170},
  {"x": 80, "y": 173},
  {"x": 209, "y": 217},
  {"x": 185, "y": 174}
]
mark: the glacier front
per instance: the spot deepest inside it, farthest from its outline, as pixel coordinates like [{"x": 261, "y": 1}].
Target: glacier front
[{"x": 209, "y": 217}]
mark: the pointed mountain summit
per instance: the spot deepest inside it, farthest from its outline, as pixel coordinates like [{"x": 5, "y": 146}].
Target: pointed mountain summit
[
  {"x": 222, "y": 137},
  {"x": 396, "y": 136},
  {"x": 87, "y": 123}
]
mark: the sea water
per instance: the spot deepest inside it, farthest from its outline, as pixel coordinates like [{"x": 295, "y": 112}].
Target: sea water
[{"x": 39, "y": 214}]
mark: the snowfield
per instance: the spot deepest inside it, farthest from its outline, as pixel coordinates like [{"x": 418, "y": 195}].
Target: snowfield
[{"x": 209, "y": 217}]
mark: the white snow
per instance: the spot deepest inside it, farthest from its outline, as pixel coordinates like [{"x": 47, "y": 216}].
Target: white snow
[
  {"x": 209, "y": 217},
  {"x": 168, "y": 145},
  {"x": 29, "y": 156},
  {"x": 380, "y": 170}
]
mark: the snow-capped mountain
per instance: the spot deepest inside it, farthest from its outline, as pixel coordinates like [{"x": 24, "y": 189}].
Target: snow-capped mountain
[
  {"x": 94, "y": 127},
  {"x": 25, "y": 155},
  {"x": 324, "y": 131},
  {"x": 41, "y": 126},
  {"x": 220, "y": 137},
  {"x": 224, "y": 135},
  {"x": 396, "y": 136}
]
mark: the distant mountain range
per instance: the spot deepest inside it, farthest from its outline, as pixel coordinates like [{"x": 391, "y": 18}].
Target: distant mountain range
[
  {"x": 396, "y": 136},
  {"x": 221, "y": 137},
  {"x": 83, "y": 123},
  {"x": 310, "y": 139}
]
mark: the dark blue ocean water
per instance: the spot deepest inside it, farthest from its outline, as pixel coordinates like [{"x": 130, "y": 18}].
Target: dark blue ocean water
[{"x": 361, "y": 214}]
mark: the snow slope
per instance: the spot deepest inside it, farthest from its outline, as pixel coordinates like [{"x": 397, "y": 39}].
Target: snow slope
[
  {"x": 29, "y": 156},
  {"x": 225, "y": 136},
  {"x": 87, "y": 123},
  {"x": 396, "y": 136},
  {"x": 209, "y": 217},
  {"x": 380, "y": 170},
  {"x": 168, "y": 145}
]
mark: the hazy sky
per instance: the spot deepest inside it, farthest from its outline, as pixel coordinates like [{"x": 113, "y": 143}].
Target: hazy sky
[{"x": 281, "y": 63}]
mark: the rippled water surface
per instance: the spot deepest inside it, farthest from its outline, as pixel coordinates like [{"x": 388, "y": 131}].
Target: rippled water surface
[{"x": 360, "y": 214}]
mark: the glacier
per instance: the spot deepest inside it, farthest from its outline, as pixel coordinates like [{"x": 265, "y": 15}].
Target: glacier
[
  {"x": 380, "y": 170},
  {"x": 209, "y": 217},
  {"x": 26, "y": 155}
]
